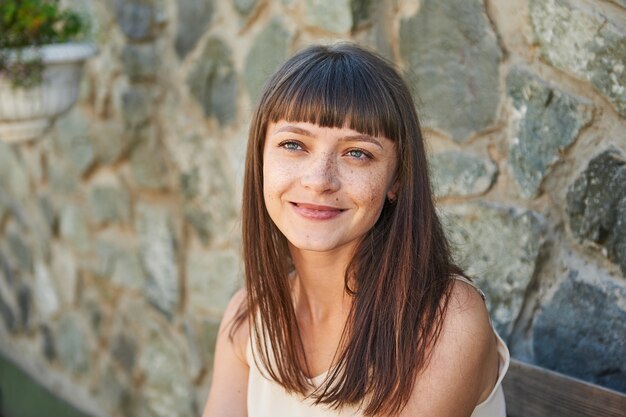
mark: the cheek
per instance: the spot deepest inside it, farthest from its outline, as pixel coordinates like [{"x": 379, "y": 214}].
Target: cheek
[
  {"x": 271, "y": 193},
  {"x": 269, "y": 186},
  {"x": 372, "y": 187},
  {"x": 370, "y": 190},
  {"x": 275, "y": 178}
]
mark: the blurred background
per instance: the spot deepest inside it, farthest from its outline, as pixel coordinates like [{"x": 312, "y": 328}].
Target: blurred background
[{"x": 119, "y": 224}]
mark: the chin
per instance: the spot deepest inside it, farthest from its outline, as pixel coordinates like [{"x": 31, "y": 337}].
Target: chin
[
  {"x": 320, "y": 246},
  {"x": 312, "y": 247}
]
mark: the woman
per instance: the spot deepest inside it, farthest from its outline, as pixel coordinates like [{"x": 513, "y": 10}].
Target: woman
[{"x": 352, "y": 304}]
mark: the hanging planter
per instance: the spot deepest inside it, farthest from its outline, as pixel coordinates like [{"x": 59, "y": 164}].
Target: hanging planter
[
  {"x": 40, "y": 65},
  {"x": 27, "y": 111}
]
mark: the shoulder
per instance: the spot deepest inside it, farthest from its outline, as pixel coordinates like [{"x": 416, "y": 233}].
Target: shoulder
[
  {"x": 467, "y": 344},
  {"x": 228, "y": 392},
  {"x": 466, "y": 307},
  {"x": 234, "y": 332},
  {"x": 467, "y": 333},
  {"x": 463, "y": 363}
]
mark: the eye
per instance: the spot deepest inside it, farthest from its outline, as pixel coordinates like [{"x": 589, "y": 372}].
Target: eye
[
  {"x": 290, "y": 145},
  {"x": 359, "y": 154}
]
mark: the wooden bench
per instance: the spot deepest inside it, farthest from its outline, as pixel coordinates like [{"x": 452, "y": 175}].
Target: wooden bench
[{"x": 532, "y": 391}]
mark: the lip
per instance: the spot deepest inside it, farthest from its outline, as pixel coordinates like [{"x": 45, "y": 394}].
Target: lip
[{"x": 316, "y": 211}]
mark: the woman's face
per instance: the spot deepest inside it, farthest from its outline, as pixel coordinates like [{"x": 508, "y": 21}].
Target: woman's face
[{"x": 324, "y": 188}]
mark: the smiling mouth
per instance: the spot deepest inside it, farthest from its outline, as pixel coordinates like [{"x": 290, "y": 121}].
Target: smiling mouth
[{"x": 316, "y": 212}]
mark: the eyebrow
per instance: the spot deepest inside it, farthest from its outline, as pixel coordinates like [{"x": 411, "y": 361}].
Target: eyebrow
[
  {"x": 361, "y": 138},
  {"x": 293, "y": 129},
  {"x": 350, "y": 138}
]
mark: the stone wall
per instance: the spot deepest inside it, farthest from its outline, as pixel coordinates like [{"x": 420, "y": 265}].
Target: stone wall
[{"x": 119, "y": 230}]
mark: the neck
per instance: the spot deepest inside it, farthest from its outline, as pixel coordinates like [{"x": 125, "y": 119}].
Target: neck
[{"x": 319, "y": 284}]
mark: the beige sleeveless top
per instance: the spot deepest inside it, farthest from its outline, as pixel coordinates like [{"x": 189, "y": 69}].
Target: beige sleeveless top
[{"x": 266, "y": 398}]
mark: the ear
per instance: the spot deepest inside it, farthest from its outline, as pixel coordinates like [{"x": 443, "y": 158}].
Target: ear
[{"x": 392, "y": 193}]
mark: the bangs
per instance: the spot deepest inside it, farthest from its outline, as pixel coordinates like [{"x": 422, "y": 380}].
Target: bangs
[{"x": 336, "y": 90}]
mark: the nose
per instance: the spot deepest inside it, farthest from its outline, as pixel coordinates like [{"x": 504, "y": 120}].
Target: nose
[{"x": 321, "y": 174}]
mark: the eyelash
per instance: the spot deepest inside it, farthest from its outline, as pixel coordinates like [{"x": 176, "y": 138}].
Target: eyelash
[
  {"x": 295, "y": 146},
  {"x": 289, "y": 145},
  {"x": 365, "y": 155}
]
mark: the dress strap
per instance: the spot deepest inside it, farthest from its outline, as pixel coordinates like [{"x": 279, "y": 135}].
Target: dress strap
[{"x": 467, "y": 281}]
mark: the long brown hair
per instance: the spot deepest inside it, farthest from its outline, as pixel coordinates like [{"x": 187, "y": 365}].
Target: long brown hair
[{"x": 400, "y": 274}]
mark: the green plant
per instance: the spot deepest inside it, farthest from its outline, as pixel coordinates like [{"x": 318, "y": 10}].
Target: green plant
[{"x": 32, "y": 23}]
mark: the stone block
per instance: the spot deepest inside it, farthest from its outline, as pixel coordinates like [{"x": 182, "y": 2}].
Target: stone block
[
  {"x": 267, "y": 53},
  {"x": 8, "y": 309},
  {"x": 47, "y": 210},
  {"x": 362, "y": 11},
  {"x": 213, "y": 82},
  {"x": 72, "y": 343},
  {"x": 148, "y": 164},
  {"x": 128, "y": 271},
  {"x": 212, "y": 279},
  {"x": 139, "y": 19},
  {"x": 72, "y": 141},
  {"x": 47, "y": 342},
  {"x": 585, "y": 44},
  {"x": 128, "y": 308},
  {"x": 167, "y": 391},
  {"x": 62, "y": 178},
  {"x": 109, "y": 204},
  {"x": 544, "y": 122},
  {"x": 25, "y": 306},
  {"x": 330, "y": 15},
  {"x": 4, "y": 202},
  {"x": 194, "y": 17},
  {"x": 124, "y": 350},
  {"x": 94, "y": 304},
  {"x": 212, "y": 218},
  {"x": 200, "y": 221},
  {"x": 33, "y": 161},
  {"x": 498, "y": 247},
  {"x": 201, "y": 333},
  {"x": 580, "y": 330},
  {"x": 209, "y": 206},
  {"x": 44, "y": 292},
  {"x": 64, "y": 273},
  {"x": 138, "y": 106},
  {"x": 20, "y": 249},
  {"x": 32, "y": 215},
  {"x": 596, "y": 204},
  {"x": 73, "y": 227},
  {"x": 244, "y": 7},
  {"x": 458, "y": 173},
  {"x": 141, "y": 61},
  {"x": 108, "y": 142},
  {"x": 13, "y": 174},
  {"x": 190, "y": 183},
  {"x": 159, "y": 254},
  {"x": 453, "y": 59},
  {"x": 115, "y": 390},
  {"x": 6, "y": 266},
  {"x": 216, "y": 177},
  {"x": 106, "y": 253}
]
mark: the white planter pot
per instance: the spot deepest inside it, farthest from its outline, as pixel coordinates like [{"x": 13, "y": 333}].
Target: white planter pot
[{"x": 26, "y": 112}]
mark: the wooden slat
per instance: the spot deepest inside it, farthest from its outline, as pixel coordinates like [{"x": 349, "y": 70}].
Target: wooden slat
[{"x": 532, "y": 391}]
